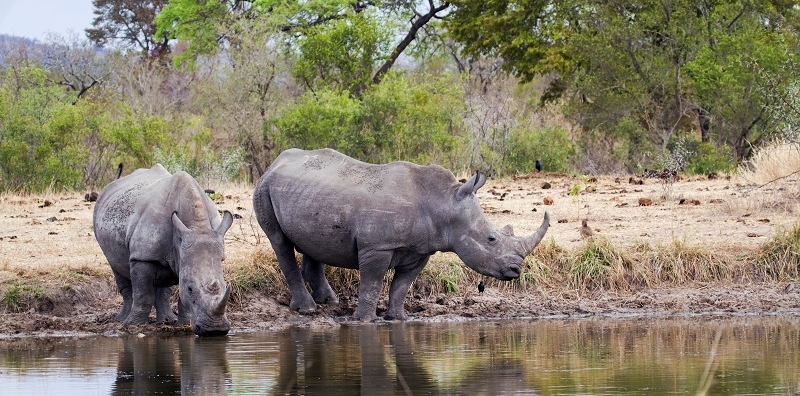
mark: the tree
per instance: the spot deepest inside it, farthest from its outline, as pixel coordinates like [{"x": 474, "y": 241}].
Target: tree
[
  {"x": 359, "y": 40},
  {"x": 129, "y": 24},
  {"x": 670, "y": 67}
]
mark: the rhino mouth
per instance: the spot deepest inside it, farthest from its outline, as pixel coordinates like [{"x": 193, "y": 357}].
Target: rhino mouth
[
  {"x": 208, "y": 328},
  {"x": 506, "y": 268}
]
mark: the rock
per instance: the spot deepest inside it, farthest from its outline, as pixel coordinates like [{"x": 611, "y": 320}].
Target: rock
[
  {"x": 548, "y": 200},
  {"x": 546, "y": 185},
  {"x": 645, "y": 202}
]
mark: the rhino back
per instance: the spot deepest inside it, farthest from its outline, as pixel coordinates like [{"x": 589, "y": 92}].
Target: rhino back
[
  {"x": 331, "y": 206},
  {"x": 133, "y": 214}
]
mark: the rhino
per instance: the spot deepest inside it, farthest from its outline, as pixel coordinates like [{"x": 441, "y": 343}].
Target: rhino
[
  {"x": 339, "y": 211},
  {"x": 158, "y": 230}
]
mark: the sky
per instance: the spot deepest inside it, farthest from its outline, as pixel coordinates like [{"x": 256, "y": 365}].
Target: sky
[{"x": 35, "y": 18}]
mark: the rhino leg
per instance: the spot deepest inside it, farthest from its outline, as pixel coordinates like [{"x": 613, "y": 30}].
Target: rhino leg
[
  {"x": 314, "y": 274},
  {"x": 301, "y": 299},
  {"x": 183, "y": 313},
  {"x": 401, "y": 282},
  {"x": 143, "y": 274},
  {"x": 372, "y": 268},
  {"x": 163, "y": 310},
  {"x": 125, "y": 289}
]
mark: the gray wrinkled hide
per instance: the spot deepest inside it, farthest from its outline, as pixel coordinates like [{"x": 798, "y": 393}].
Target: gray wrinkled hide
[
  {"x": 158, "y": 230},
  {"x": 342, "y": 212}
]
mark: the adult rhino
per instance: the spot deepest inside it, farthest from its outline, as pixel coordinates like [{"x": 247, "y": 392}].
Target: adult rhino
[
  {"x": 158, "y": 230},
  {"x": 342, "y": 212}
]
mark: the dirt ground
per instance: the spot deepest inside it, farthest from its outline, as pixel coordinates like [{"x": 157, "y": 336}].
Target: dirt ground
[{"x": 47, "y": 247}]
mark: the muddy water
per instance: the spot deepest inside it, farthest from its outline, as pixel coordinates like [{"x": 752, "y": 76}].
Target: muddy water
[{"x": 744, "y": 355}]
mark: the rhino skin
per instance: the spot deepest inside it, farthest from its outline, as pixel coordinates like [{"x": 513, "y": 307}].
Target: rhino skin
[
  {"x": 342, "y": 212},
  {"x": 158, "y": 230}
]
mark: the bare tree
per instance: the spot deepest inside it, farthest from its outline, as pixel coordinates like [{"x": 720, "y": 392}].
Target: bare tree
[{"x": 128, "y": 24}]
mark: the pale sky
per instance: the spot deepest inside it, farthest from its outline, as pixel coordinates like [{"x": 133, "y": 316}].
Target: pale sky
[{"x": 35, "y": 18}]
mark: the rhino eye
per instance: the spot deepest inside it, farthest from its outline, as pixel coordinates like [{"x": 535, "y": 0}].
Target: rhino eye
[
  {"x": 190, "y": 290},
  {"x": 492, "y": 240}
]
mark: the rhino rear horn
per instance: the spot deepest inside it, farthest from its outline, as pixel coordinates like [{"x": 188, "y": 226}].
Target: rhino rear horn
[
  {"x": 471, "y": 186},
  {"x": 227, "y": 220},
  {"x": 178, "y": 224}
]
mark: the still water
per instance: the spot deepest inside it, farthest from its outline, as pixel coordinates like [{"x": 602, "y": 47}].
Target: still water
[{"x": 743, "y": 355}]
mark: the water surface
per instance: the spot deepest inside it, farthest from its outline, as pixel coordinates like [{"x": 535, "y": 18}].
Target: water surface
[{"x": 742, "y": 355}]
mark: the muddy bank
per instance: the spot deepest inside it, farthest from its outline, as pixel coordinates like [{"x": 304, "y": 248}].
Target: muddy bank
[{"x": 80, "y": 312}]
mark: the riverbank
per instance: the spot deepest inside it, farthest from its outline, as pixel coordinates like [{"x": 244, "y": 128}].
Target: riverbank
[{"x": 693, "y": 246}]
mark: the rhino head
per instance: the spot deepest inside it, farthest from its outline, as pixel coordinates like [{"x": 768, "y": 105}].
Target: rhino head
[
  {"x": 481, "y": 246},
  {"x": 203, "y": 293}
]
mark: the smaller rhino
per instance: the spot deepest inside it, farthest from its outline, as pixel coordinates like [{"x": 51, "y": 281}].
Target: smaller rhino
[{"x": 158, "y": 230}]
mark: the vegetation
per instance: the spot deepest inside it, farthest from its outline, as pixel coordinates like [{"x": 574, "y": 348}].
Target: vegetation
[{"x": 218, "y": 88}]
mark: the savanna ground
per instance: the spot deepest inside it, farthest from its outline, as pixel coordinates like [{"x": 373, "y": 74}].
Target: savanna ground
[{"x": 701, "y": 245}]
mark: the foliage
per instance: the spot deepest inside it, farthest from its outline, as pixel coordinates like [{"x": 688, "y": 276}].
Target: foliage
[
  {"x": 550, "y": 145},
  {"x": 342, "y": 53},
  {"x": 399, "y": 119},
  {"x": 670, "y": 67}
]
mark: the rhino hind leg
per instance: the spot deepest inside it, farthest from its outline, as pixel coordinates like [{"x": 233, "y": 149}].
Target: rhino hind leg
[
  {"x": 401, "y": 282},
  {"x": 126, "y": 290},
  {"x": 314, "y": 274}
]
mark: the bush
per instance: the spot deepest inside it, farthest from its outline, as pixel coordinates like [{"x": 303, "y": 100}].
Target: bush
[{"x": 551, "y": 146}]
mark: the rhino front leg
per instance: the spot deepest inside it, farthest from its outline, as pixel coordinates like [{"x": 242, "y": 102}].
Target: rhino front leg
[
  {"x": 314, "y": 274},
  {"x": 125, "y": 289},
  {"x": 372, "y": 268},
  {"x": 143, "y": 274},
  {"x": 401, "y": 282},
  {"x": 301, "y": 299},
  {"x": 163, "y": 309}
]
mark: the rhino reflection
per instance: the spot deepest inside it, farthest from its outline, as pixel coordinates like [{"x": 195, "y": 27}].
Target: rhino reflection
[
  {"x": 182, "y": 365},
  {"x": 327, "y": 366}
]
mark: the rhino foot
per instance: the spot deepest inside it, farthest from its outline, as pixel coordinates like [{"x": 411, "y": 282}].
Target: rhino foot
[
  {"x": 326, "y": 299},
  {"x": 305, "y": 307},
  {"x": 396, "y": 316}
]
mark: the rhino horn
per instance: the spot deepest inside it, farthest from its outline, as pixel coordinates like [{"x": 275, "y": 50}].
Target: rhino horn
[
  {"x": 220, "y": 308},
  {"x": 471, "y": 186},
  {"x": 227, "y": 220},
  {"x": 530, "y": 242},
  {"x": 178, "y": 224}
]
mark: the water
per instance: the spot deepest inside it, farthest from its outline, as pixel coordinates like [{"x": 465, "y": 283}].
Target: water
[{"x": 743, "y": 355}]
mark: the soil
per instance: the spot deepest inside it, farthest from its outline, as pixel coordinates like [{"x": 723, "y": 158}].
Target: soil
[{"x": 49, "y": 256}]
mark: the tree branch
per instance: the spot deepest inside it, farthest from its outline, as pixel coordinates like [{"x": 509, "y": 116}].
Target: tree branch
[{"x": 410, "y": 36}]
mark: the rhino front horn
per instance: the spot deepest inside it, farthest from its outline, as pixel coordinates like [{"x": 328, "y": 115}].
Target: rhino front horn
[
  {"x": 529, "y": 243},
  {"x": 220, "y": 308}
]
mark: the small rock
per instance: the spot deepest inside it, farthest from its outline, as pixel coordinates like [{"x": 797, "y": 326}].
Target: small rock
[
  {"x": 548, "y": 200},
  {"x": 546, "y": 185},
  {"x": 645, "y": 202},
  {"x": 46, "y": 203},
  {"x": 562, "y": 221},
  {"x": 52, "y": 219}
]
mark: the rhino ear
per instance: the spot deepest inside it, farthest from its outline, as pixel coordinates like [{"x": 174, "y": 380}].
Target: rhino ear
[
  {"x": 178, "y": 224},
  {"x": 227, "y": 220},
  {"x": 471, "y": 186},
  {"x": 508, "y": 230}
]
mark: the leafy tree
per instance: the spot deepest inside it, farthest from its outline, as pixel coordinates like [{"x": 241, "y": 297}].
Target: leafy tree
[
  {"x": 129, "y": 24},
  {"x": 668, "y": 66},
  {"x": 326, "y": 33}
]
